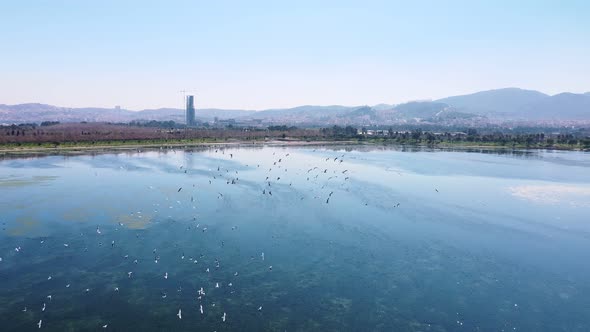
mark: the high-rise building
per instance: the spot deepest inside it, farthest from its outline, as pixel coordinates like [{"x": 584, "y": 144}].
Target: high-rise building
[{"x": 190, "y": 111}]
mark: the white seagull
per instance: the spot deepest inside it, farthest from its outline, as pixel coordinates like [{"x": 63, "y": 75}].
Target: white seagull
[
  {"x": 179, "y": 314},
  {"x": 40, "y": 322},
  {"x": 223, "y": 317}
]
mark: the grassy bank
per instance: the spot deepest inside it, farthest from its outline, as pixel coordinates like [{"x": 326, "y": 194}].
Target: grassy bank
[
  {"x": 84, "y": 146},
  {"x": 475, "y": 144},
  {"x": 77, "y": 147}
]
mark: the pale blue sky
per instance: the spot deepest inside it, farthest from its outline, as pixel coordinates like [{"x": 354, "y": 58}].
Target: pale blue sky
[{"x": 271, "y": 54}]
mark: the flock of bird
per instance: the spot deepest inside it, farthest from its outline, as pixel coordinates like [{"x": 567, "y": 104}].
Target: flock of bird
[{"x": 277, "y": 174}]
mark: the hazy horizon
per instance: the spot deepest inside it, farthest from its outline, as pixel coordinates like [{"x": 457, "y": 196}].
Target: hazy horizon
[
  {"x": 264, "y": 55},
  {"x": 180, "y": 106}
]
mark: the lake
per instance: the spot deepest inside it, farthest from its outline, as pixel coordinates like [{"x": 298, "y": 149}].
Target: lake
[{"x": 329, "y": 238}]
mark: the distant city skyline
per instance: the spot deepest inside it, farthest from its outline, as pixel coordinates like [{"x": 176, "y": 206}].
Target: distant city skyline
[{"x": 261, "y": 55}]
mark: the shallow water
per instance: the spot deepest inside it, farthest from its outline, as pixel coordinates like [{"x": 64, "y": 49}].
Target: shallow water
[{"x": 409, "y": 240}]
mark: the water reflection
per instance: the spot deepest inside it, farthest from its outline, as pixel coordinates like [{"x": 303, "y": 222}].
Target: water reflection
[{"x": 354, "y": 239}]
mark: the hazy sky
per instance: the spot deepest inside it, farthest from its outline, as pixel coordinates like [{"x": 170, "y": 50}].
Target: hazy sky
[{"x": 271, "y": 54}]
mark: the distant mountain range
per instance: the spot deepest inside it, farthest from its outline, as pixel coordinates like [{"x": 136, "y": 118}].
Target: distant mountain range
[
  {"x": 480, "y": 107},
  {"x": 523, "y": 104}
]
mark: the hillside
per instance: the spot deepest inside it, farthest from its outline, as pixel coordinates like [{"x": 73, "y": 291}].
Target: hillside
[
  {"x": 507, "y": 101},
  {"x": 564, "y": 105},
  {"x": 513, "y": 103}
]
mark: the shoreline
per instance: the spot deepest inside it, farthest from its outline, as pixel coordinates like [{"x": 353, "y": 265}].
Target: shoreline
[
  {"x": 74, "y": 148},
  {"x": 81, "y": 149}
]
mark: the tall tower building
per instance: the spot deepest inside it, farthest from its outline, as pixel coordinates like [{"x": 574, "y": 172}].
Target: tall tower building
[{"x": 190, "y": 110}]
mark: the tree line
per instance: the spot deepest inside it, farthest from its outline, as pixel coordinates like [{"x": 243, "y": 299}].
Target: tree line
[
  {"x": 471, "y": 135},
  {"x": 54, "y": 132}
]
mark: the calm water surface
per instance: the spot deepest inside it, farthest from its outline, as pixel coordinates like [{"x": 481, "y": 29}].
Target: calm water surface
[{"x": 353, "y": 240}]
